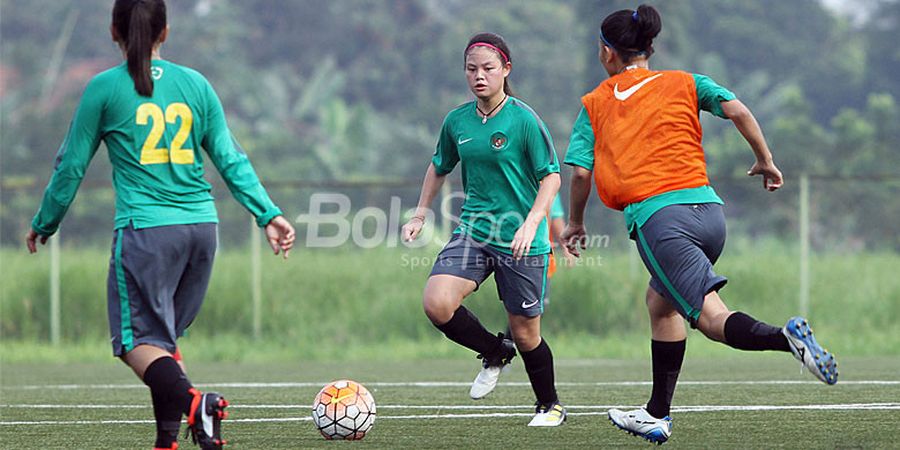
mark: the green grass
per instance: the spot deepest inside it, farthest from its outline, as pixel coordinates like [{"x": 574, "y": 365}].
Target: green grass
[
  {"x": 587, "y": 427},
  {"x": 368, "y": 302}
]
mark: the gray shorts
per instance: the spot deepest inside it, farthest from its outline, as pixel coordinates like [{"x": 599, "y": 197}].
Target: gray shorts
[
  {"x": 521, "y": 284},
  {"x": 679, "y": 245},
  {"x": 157, "y": 280}
]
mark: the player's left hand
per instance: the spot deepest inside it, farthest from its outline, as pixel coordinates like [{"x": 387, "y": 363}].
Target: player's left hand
[
  {"x": 280, "y": 234},
  {"x": 31, "y": 240},
  {"x": 771, "y": 175},
  {"x": 521, "y": 243}
]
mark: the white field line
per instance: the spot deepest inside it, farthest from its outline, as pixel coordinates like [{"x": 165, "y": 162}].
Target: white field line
[
  {"x": 432, "y": 384},
  {"x": 682, "y": 409},
  {"x": 488, "y": 407}
]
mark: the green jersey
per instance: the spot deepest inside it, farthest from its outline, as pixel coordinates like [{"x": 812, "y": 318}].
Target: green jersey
[
  {"x": 556, "y": 209},
  {"x": 154, "y": 147},
  {"x": 503, "y": 161}
]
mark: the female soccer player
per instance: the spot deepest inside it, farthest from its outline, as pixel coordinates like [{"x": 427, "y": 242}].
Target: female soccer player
[
  {"x": 510, "y": 175},
  {"x": 639, "y": 132},
  {"x": 154, "y": 117}
]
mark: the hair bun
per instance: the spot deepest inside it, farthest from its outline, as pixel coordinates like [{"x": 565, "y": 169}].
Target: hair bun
[{"x": 649, "y": 24}]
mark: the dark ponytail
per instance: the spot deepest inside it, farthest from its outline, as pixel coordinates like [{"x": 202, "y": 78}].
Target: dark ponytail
[
  {"x": 631, "y": 33},
  {"x": 139, "y": 24},
  {"x": 499, "y": 47}
]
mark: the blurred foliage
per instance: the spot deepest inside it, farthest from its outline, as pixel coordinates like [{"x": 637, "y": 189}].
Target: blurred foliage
[{"x": 356, "y": 89}]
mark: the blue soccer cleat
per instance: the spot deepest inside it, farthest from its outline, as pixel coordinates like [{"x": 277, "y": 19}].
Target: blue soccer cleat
[
  {"x": 804, "y": 346},
  {"x": 640, "y": 423}
]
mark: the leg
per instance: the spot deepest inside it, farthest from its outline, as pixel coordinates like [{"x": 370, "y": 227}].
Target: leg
[
  {"x": 180, "y": 360},
  {"x": 736, "y": 329},
  {"x": 526, "y": 331},
  {"x": 743, "y": 332},
  {"x": 170, "y": 390},
  {"x": 667, "y": 352},
  {"x": 713, "y": 317},
  {"x": 536, "y": 355},
  {"x": 444, "y": 295},
  {"x": 145, "y": 272},
  {"x": 443, "y": 305},
  {"x": 522, "y": 286},
  {"x": 666, "y": 324}
]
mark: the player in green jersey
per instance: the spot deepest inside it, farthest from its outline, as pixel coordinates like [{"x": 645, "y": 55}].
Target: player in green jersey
[
  {"x": 510, "y": 175},
  {"x": 154, "y": 117}
]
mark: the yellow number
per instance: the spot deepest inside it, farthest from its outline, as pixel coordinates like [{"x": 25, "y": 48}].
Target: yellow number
[
  {"x": 149, "y": 153},
  {"x": 173, "y": 112},
  {"x": 152, "y": 155}
]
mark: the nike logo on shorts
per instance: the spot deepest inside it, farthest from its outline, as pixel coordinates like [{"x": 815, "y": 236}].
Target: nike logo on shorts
[
  {"x": 623, "y": 95},
  {"x": 526, "y": 305}
]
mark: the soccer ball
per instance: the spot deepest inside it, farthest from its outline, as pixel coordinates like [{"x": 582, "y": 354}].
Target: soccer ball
[{"x": 343, "y": 409}]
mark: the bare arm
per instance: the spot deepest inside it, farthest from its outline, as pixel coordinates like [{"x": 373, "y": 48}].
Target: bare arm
[
  {"x": 521, "y": 243},
  {"x": 574, "y": 236},
  {"x": 430, "y": 187},
  {"x": 580, "y": 190},
  {"x": 747, "y": 125}
]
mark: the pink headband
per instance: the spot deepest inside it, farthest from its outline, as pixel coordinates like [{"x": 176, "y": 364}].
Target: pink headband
[{"x": 485, "y": 44}]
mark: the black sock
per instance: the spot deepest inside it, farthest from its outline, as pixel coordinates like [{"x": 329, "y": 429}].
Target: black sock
[
  {"x": 539, "y": 365},
  {"x": 746, "y": 333},
  {"x": 667, "y": 359},
  {"x": 465, "y": 329},
  {"x": 170, "y": 390}
]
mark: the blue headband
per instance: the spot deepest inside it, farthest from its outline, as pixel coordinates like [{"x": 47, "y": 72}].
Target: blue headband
[
  {"x": 634, "y": 16},
  {"x": 609, "y": 44},
  {"x": 603, "y": 39}
]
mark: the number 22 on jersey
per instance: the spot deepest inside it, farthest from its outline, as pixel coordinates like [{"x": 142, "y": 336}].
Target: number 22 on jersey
[{"x": 150, "y": 112}]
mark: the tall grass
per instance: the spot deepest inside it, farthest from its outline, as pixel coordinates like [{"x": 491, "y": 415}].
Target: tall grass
[{"x": 355, "y": 302}]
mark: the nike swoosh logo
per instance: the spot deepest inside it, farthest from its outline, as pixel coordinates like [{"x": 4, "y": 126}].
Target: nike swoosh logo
[
  {"x": 526, "y": 305},
  {"x": 630, "y": 91},
  {"x": 462, "y": 141},
  {"x": 338, "y": 399}
]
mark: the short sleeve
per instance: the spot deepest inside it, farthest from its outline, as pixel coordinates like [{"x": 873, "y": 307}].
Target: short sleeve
[
  {"x": 581, "y": 143},
  {"x": 539, "y": 146},
  {"x": 710, "y": 95},
  {"x": 446, "y": 155}
]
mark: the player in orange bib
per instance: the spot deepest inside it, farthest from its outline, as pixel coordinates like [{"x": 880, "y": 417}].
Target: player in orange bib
[{"x": 639, "y": 137}]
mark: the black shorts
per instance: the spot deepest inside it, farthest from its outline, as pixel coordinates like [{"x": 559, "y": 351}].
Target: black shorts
[
  {"x": 521, "y": 284},
  {"x": 157, "y": 280},
  {"x": 679, "y": 245}
]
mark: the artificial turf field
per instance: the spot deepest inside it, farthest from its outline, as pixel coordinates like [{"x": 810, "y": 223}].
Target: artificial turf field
[{"x": 750, "y": 401}]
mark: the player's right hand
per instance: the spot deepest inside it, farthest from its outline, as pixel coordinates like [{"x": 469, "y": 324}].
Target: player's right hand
[
  {"x": 574, "y": 237},
  {"x": 411, "y": 230},
  {"x": 31, "y": 238}
]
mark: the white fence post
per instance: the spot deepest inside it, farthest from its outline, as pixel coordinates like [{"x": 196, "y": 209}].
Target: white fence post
[
  {"x": 256, "y": 278},
  {"x": 54, "y": 290},
  {"x": 804, "y": 244}
]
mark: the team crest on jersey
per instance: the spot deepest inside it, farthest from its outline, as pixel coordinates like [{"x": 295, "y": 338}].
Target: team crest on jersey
[
  {"x": 156, "y": 73},
  {"x": 499, "y": 140}
]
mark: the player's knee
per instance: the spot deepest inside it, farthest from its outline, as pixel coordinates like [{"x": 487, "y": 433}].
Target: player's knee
[
  {"x": 527, "y": 336},
  {"x": 713, "y": 325},
  {"x": 526, "y": 342},
  {"x": 439, "y": 307}
]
